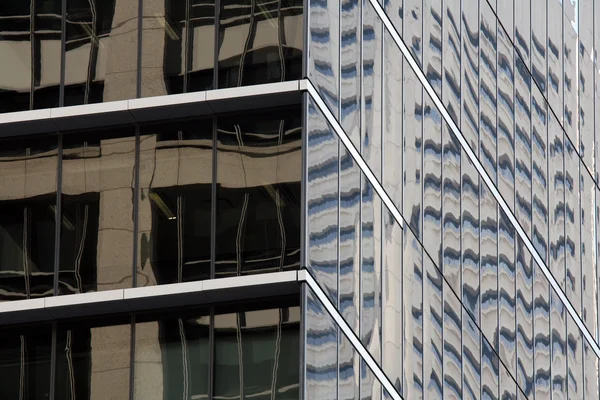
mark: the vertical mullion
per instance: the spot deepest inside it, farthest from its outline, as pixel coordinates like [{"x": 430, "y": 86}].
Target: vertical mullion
[
  {"x": 211, "y": 353},
  {"x": 132, "y": 360},
  {"x": 215, "y": 84},
  {"x": 53, "y": 362},
  {"x": 58, "y": 214},
  {"x": 186, "y": 46},
  {"x": 136, "y": 206},
  {"x": 140, "y": 26},
  {"x": 63, "y": 46},
  {"x": 213, "y": 204}
]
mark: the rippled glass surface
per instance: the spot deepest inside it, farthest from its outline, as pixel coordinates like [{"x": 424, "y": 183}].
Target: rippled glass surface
[
  {"x": 175, "y": 205},
  {"x": 101, "y": 48},
  {"x": 260, "y": 41},
  {"x": 28, "y": 178},
  {"x": 30, "y": 37},
  {"x": 96, "y": 243},
  {"x": 178, "y": 39}
]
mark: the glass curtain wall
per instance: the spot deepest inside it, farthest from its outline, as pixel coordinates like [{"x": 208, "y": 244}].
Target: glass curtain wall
[
  {"x": 505, "y": 331},
  {"x": 249, "y": 351}
]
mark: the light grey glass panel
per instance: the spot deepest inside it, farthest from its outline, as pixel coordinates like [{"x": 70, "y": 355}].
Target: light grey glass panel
[
  {"x": 453, "y": 361},
  {"x": 590, "y": 377},
  {"x": 432, "y": 330},
  {"x": 586, "y": 106},
  {"x": 505, "y": 11},
  {"x": 558, "y": 326},
  {"x": 490, "y": 378},
  {"x": 574, "y": 360},
  {"x": 451, "y": 55},
  {"x": 393, "y": 150},
  {"x": 508, "y": 387},
  {"x": 487, "y": 90},
  {"x": 506, "y": 118},
  {"x": 451, "y": 209},
  {"x": 556, "y": 205},
  {"x": 586, "y": 25},
  {"x": 596, "y": 283},
  {"x": 470, "y": 72},
  {"x": 570, "y": 70},
  {"x": 587, "y": 192},
  {"x": 395, "y": 11},
  {"x": 506, "y": 289},
  {"x": 471, "y": 359},
  {"x": 572, "y": 227},
  {"x": 413, "y": 315},
  {"x": 523, "y": 29},
  {"x": 370, "y": 310},
  {"x": 524, "y": 311},
  {"x": 470, "y": 238},
  {"x": 393, "y": 322},
  {"x": 555, "y": 57},
  {"x": 596, "y": 89},
  {"x": 321, "y": 351},
  {"x": 348, "y": 369},
  {"x": 349, "y": 281},
  {"x": 432, "y": 43},
  {"x": 541, "y": 340},
  {"x": 413, "y": 124},
  {"x": 523, "y": 145},
  {"x": 101, "y": 51},
  {"x": 538, "y": 45},
  {"x": 489, "y": 266},
  {"x": 350, "y": 73},
  {"x": 322, "y": 197},
  {"x": 370, "y": 388},
  {"x": 324, "y": 50},
  {"x": 372, "y": 41}
]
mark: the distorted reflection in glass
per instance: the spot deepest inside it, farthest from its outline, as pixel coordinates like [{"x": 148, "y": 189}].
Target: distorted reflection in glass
[
  {"x": 30, "y": 37},
  {"x": 175, "y": 202},
  {"x": 96, "y": 243},
  {"x": 257, "y": 354},
  {"x": 28, "y": 173},
  {"x": 178, "y": 46},
  {"x": 260, "y": 41},
  {"x": 93, "y": 361},
  {"x": 101, "y": 51},
  {"x": 258, "y": 193},
  {"x": 172, "y": 357},
  {"x": 25, "y": 355}
]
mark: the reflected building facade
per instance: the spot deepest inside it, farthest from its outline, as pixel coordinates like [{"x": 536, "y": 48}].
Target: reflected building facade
[{"x": 284, "y": 199}]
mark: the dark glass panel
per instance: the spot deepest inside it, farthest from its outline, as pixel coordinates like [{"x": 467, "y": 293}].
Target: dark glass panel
[
  {"x": 201, "y": 47},
  {"x": 175, "y": 202},
  {"x": 93, "y": 361},
  {"x": 257, "y": 354},
  {"x": 28, "y": 170},
  {"x": 30, "y": 38},
  {"x": 172, "y": 357},
  {"x": 260, "y": 41},
  {"x": 100, "y": 51},
  {"x": 258, "y": 193},
  {"x": 96, "y": 243},
  {"x": 25, "y": 363}
]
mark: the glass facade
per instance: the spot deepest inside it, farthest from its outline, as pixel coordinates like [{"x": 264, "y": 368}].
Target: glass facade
[
  {"x": 249, "y": 351},
  {"x": 436, "y": 185}
]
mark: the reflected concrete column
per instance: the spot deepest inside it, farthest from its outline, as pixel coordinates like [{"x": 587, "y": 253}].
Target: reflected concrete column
[
  {"x": 153, "y": 48},
  {"x": 110, "y": 362}
]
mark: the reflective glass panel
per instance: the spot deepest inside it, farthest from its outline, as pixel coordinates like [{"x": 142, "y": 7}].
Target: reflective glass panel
[
  {"x": 260, "y": 41},
  {"x": 257, "y": 354},
  {"x": 175, "y": 202},
  {"x": 93, "y": 361},
  {"x": 96, "y": 243},
  {"x": 101, "y": 51},
  {"x": 258, "y": 193},
  {"x": 28, "y": 176}
]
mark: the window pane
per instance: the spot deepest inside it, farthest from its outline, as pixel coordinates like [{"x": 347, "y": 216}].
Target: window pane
[
  {"x": 25, "y": 363},
  {"x": 257, "y": 354},
  {"x": 100, "y": 51},
  {"x": 260, "y": 41},
  {"x": 28, "y": 169},
  {"x": 258, "y": 193},
  {"x": 178, "y": 46},
  {"x": 93, "y": 362},
  {"x": 175, "y": 202},
  {"x": 33, "y": 45},
  {"x": 172, "y": 358},
  {"x": 96, "y": 244}
]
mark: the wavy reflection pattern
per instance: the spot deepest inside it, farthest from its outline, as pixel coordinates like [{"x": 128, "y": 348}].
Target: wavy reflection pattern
[{"x": 462, "y": 308}]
